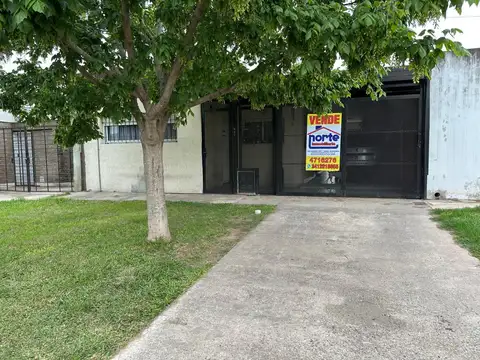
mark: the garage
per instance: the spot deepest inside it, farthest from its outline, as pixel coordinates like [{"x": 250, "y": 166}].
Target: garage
[{"x": 382, "y": 151}]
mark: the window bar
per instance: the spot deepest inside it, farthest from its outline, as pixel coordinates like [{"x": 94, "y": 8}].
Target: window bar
[
  {"x": 27, "y": 160},
  {"x": 5, "y": 154},
  {"x": 58, "y": 169},
  {"x": 70, "y": 153},
  {"x": 32, "y": 155},
  {"x": 129, "y": 132},
  {"x": 34, "y": 162},
  {"x": 14, "y": 166},
  {"x": 22, "y": 162},
  {"x": 45, "y": 149}
]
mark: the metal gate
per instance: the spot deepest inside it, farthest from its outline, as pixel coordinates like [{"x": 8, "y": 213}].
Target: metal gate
[
  {"x": 382, "y": 154},
  {"x": 383, "y": 147},
  {"x": 22, "y": 149},
  {"x": 31, "y": 161}
]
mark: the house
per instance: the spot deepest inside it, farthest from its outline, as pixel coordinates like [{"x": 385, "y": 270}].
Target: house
[
  {"x": 420, "y": 141},
  {"x": 30, "y": 160}
]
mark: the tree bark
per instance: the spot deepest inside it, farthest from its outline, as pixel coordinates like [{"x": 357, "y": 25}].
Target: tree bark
[{"x": 152, "y": 144}]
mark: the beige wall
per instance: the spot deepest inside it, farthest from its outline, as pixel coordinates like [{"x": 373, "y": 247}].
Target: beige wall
[{"x": 119, "y": 167}]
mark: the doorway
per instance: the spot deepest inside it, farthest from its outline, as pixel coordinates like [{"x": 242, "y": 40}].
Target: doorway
[
  {"x": 257, "y": 146},
  {"x": 238, "y": 148},
  {"x": 216, "y": 149}
]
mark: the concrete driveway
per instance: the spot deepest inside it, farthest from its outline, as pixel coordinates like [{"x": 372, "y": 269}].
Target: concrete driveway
[{"x": 329, "y": 279}]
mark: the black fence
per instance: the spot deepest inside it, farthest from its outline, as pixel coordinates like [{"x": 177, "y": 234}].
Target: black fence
[{"x": 31, "y": 161}]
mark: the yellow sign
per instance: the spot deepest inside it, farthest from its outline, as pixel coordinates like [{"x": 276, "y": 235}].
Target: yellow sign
[{"x": 324, "y": 136}]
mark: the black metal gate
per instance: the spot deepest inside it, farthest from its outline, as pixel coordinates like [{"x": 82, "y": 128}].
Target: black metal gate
[
  {"x": 31, "y": 161},
  {"x": 383, "y": 147}
]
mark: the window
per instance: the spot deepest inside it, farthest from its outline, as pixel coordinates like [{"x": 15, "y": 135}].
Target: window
[
  {"x": 129, "y": 132},
  {"x": 258, "y": 132}
]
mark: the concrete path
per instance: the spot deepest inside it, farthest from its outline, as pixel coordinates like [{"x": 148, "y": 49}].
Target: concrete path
[
  {"x": 329, "y": 279},
  {"x": 12, "y": 195},
  {"x": 246, "y": 199}
]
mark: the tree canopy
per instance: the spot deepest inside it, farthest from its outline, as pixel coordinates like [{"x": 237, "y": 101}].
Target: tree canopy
[{"x": 106, "y": 56}]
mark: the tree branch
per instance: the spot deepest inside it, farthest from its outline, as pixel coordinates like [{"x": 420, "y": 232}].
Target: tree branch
[
  {"x": 97, "y": 78},
  {"x": 142, "y": 94},
  {"x": 87, "y": 57},
  {"x": 140, "y": 91},
  {"x": 88, "y": 76},
  {"x": 350, "y": 3},
  {"x": 227, "y": 90},
  {"x": 212, "y": 96},
  {"x": 127, "y": 30},
  {"x": 139, "y": 118},
  {"x": 177, "y": 64}
]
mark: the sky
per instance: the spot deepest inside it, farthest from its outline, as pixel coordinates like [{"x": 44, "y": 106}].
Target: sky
[{"x": 468, "y": 22}]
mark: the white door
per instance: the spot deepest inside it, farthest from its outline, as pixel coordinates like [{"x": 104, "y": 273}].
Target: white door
[{"x": 22, "y": 155}]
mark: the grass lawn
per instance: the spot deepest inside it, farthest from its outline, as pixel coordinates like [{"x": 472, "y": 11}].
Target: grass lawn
[
  {"x": 464, "y": 224},
  {"x": 78, "y": 280}
]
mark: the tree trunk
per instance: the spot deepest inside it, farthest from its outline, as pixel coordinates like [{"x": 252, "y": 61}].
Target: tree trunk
[{"x": 156, "y": 206}]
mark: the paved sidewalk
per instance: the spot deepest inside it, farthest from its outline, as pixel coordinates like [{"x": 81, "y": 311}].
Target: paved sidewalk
[
  {"x": 208, "y": 198},
  {"x": 12, "y": 195},
  {"x": 329, "y": 279},
  {"x": 268, "y": 199}
]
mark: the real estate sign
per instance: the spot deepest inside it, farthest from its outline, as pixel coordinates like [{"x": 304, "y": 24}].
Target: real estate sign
[{"x": 324, "y": 136}]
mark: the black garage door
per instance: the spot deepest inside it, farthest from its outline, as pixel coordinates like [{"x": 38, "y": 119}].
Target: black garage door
[
  {"x": 383, "y": 147},
  {"x": 383, "y": 143}
]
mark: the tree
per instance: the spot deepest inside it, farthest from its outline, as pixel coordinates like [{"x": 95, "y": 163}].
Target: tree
[{"x": 151, "y": 59}]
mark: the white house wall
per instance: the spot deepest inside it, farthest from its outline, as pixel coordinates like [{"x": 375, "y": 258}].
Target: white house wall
[
  {"x": 454, "y": 151},
  {"x": 119, "y": 166}
]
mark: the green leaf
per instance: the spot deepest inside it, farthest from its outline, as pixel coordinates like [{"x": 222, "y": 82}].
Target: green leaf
[
  {"x": 20, "y": 16},
  {"x": 330, "y": 45},
  {"x": 39, "y": 6},
  {"x": 422, "y": 52},
  {"x": 417, "y": 4},
  {"x": 368, "y": 20},
  {"x": 344, "y": 48},
  {"x": 278, "y": 9},
  {"x": 308, "y": 35}
]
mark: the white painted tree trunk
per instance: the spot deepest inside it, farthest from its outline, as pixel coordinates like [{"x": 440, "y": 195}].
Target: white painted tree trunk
[{"x": 156, "y": 206}]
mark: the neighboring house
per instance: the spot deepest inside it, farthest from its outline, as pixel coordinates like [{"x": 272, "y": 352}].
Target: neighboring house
[
  {"x": 30, "y": 160},
  {"x": 421, "y": 141},
  {"x": 6, "y": 117}
]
